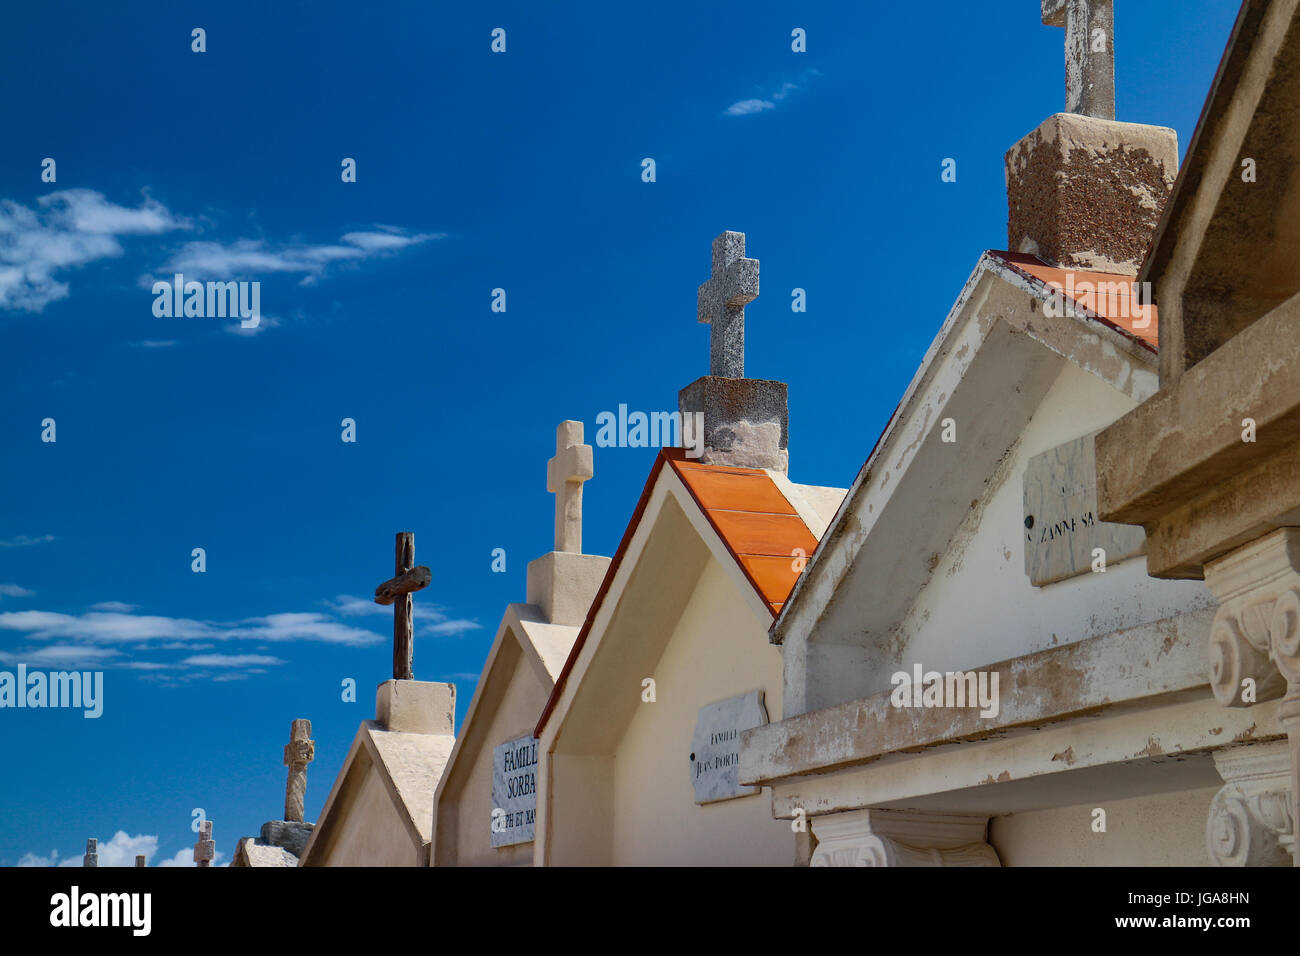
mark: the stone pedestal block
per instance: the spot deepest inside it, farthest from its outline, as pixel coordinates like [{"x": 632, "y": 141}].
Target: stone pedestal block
[
  {"x": 564, "y": 584},
  {"x": 746, "y": 421},
  {"x": 416, "y": 706},
  {"x": 1087, "y": 193}
]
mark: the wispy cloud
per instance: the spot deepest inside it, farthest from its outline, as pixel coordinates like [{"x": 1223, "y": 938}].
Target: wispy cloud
[
  {"x": 352, "y": 606},
  {"x": 253, "y": 257},
  {"x": 110, "y": 627},
  {"x": 13, "y": 590},
  {"x": 61, "y": 655},
  {"x": 153, "y": 344},
  {"x": 433, "y": 617},
  {"x": 66, "y": 229},
  {"x": 114, "y": 606},
  {"x": 25, "y": 541},
  {"x": 450, "y": 627},
  {"x": 748, "y": 107},
  {"x": 231, "y": 660},
  {"x": 745, "y": 107}
]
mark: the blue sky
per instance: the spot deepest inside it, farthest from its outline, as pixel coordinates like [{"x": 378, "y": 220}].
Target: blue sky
[{"x": 475, "y": 171}]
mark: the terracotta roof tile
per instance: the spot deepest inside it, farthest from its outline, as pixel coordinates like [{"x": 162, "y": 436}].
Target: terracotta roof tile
[
  {"x": 762, "y": 540},
  {"x": 758, "y": 525},
  {"x": 1116, "y": 308}
]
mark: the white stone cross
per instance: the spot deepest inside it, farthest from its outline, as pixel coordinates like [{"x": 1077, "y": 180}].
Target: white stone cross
[
  {"x": 721, "y": 303},
  {"x": 1089, "y": 54},
  {"x": 565, "y": 473}
]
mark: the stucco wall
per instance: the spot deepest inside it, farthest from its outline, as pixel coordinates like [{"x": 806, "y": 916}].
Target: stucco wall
[
  {"x": 1159, "y": 830},
  {"x": 979, "y": 607},
  {"x": 717, "y": 650},
  {"x": 463, "y": 835},
  {"x": 381, "y": 840}
]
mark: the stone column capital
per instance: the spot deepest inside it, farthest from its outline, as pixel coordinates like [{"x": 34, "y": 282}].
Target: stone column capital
[
  {"x": 901, "y": 838},
  {"x": 1250, "y": 821}
]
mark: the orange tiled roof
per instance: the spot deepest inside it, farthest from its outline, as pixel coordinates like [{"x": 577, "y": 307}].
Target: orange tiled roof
[
  {"x": 1116, "y": 309},
  {"x": 754, "y": 520}
]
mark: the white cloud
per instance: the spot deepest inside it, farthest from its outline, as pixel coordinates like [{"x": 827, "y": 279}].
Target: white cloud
[
  {"x": 22, "y": 540},
  {"x": 13, "y": 590},
  {"x": 204, "y": 260},
  {"x": 119, "y": 851},
  {"x": 60, "y": 655},
  {"x": 114, "y": 606},
  {"x": 263, "y": 323},
  {"x": 185, "y": 857},
  {"x": 758, "y": 105},
  {"x": 31, "y": 859},
  {"x": 347, "y": 604},
  {"x": 745, "y": 107},
  {"x": 153, "y": 344},
  {"x": 230, "y": 660},
  {"x": 67, "y": 229},
  {"x": 451, "y": 626}
]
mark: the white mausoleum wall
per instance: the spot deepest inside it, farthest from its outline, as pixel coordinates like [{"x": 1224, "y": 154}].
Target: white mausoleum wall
[
  {"x": 1158, "y": 830},
  {"x": 381, "y": 840},
  {"x": 718, "y": 650},
  {"x": 465, "y": 810},
  {"x": 979, "y": 607}
]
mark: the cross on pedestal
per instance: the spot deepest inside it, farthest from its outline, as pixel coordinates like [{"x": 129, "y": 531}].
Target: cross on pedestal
[
  {"x": 397, "y": 591},
  {"x": 721, "y": 303},
  {"x": 1089, "y": 54},
  {"x": 206, "y": 848},
  {"x": 298, "y": 752},
  {"x": 565, "y": 473},
  {"x": 139, "y": 859},
  {"x": 92, "y": 854}
]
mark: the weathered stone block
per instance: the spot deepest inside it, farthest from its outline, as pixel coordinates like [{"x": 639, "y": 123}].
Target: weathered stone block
[
  {"x": 287, "y": 834},
  {"x": 1087, "y": 193},
  {"x": 746, "y": 421}
]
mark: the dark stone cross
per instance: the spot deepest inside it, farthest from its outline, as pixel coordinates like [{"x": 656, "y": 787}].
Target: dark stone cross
[
  {"x": 397, "y": 591},
  {"x": 721, "y": 303},
  {"x": 1089, "y": 54}
]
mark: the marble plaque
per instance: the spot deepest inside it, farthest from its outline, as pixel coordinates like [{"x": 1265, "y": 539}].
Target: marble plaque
[
  {"x": 1061, "y": 526},
  {"x": 514, "y": 791},
  {"x": 715, "y": 746}
]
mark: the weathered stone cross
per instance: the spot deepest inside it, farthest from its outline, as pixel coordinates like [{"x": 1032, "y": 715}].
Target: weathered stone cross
[
  {"x": 206, "y": 849},
  {"x": 1089, "y": 54},
  {"x": 92, "y": 854},
  {"x": 397, "y": 591},
  {"x": 299, "y": 752},
  {"x": 721, "y": 303},
  {"x": 565, "y": 473}
]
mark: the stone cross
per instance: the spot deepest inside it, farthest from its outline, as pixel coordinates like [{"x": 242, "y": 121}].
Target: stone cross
[
  {"x": 721, "y": 303},
  {"x": 397, "y": 591},
  {"x": 565, "y": 473},
  {"x": 1089, "y": 54},
  {"x": 206, "y": 848},
  {"x": 92, "y": 854},
  {"x": 299, "y": 752},
  {"x": 139, "y": 859}
]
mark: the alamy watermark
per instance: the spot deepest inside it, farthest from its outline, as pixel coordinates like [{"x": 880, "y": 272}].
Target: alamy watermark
[
  {"x": 950, "y": 689},
  {"x": 653, "y": 430},
  {"x": 1125, "y": 299},
  {"x": 83, "y": 689},
  {"x": 212, "y": 300}
]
